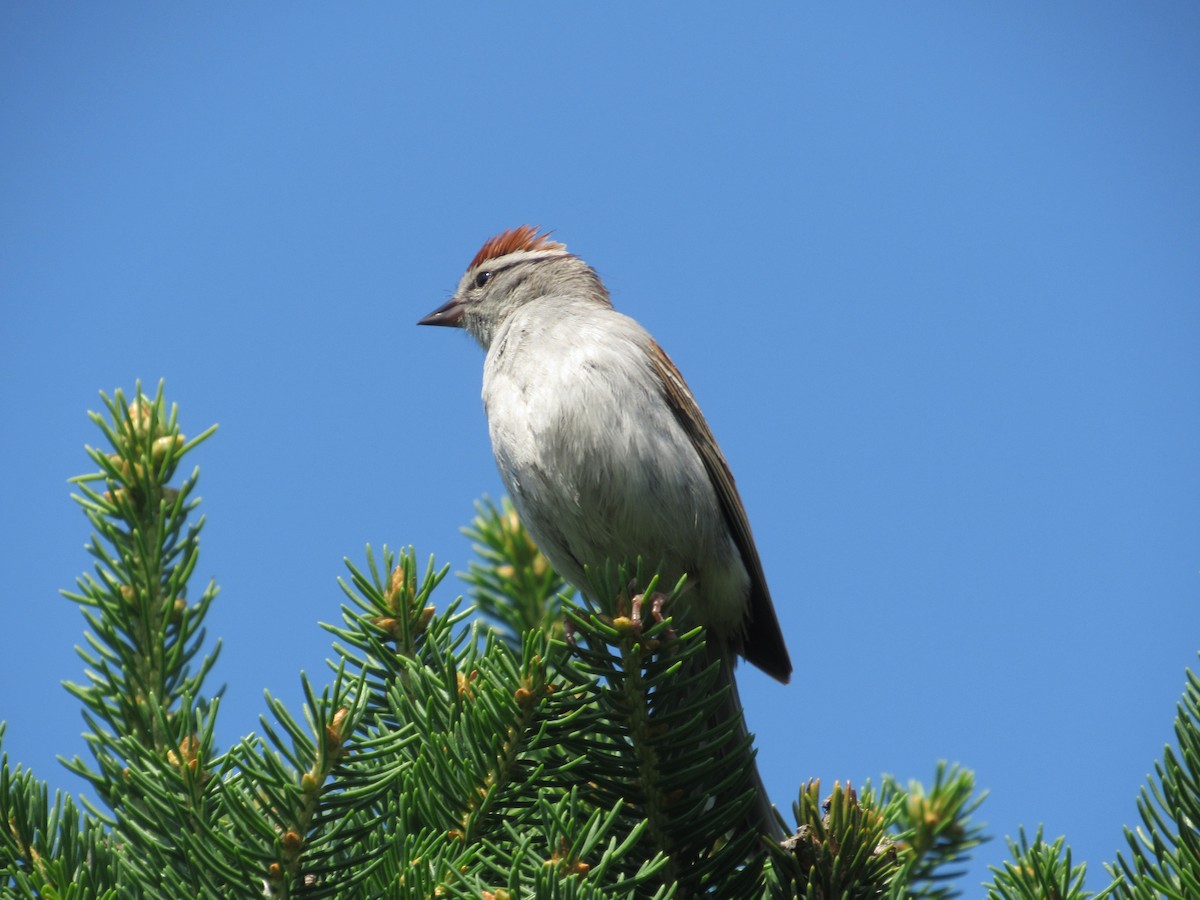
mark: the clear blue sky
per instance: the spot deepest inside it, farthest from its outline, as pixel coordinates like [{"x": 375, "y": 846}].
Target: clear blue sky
[{"x": 931, "y": 270}]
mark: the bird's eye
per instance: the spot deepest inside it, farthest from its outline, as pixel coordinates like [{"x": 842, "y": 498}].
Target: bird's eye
[{"x": 482, "y": 278}]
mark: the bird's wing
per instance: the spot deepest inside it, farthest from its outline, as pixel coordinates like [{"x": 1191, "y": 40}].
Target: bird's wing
[{"x": 764, "y": 644}]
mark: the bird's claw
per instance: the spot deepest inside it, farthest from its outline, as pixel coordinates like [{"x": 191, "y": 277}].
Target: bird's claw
[{"x": 657, "y": 599}]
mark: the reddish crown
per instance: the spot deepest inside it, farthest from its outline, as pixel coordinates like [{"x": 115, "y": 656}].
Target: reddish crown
[{"x": 524, "y": 238}]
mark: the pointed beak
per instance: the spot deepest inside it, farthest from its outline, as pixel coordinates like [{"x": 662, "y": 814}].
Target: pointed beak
[{"x": 448, "y": 314}]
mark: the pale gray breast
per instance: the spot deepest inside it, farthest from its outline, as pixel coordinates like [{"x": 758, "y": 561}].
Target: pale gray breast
[{"x": 594, "y": 459}]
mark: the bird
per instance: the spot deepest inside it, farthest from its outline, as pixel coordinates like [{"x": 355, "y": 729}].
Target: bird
[{"x": 604, "y": 451}]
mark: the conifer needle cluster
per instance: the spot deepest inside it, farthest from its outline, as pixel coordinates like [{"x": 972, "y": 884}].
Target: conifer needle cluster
[{"x": 524, "y": 746}]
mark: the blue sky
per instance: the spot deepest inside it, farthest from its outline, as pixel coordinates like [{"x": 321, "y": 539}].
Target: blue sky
[{"x": 931, "y": 270}]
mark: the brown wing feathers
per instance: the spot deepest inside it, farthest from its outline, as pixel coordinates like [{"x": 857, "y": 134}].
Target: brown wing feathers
[{"x": 764, "y": 645}]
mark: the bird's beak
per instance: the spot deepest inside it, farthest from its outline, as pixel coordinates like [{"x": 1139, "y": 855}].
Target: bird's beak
[{"x": 448, "y": 314}]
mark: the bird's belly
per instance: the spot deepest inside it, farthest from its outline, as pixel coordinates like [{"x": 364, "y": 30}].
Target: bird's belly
[{"x": 597, "y": 483}]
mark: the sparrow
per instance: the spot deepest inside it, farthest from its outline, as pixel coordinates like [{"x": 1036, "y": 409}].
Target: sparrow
[{"x": 602, "y": 447}]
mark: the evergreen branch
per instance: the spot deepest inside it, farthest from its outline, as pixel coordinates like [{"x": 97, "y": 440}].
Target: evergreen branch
[
  {"x": 170, "y": 819},
  {"x": 391, "y": 618},
  {"x": 932, "y": 830},
  {"x": 1040, "y": 870},
  {"x": 654, "y": 738},
  {"x": 49, "y": 849},
  {"x": 283, "y": 803},
  {"x": 1164, "y": 858},
  {"x": 840, "y": 849},
  {"x": 513, "y": 584},
  {"x": 145, "y": 636},
  {"x": 514, "y": 759},
  {"x": 551, "y": 859}
]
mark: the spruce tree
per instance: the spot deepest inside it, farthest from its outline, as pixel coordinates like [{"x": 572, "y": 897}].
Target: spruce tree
[{"x": 522, "y": 745}]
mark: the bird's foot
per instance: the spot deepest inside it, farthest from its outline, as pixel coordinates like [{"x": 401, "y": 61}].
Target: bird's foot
[{"x": 637, "y": 604}]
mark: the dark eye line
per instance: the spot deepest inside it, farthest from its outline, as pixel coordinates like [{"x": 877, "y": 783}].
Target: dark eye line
[{"x": 487, "y": 274}]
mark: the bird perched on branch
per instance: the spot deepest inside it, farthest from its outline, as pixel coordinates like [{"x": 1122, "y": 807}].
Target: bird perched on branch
[{"x": 603, "y": 449}]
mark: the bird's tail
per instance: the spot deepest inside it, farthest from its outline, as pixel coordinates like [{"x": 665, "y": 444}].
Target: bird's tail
[{"x": 762, "y": 816}]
